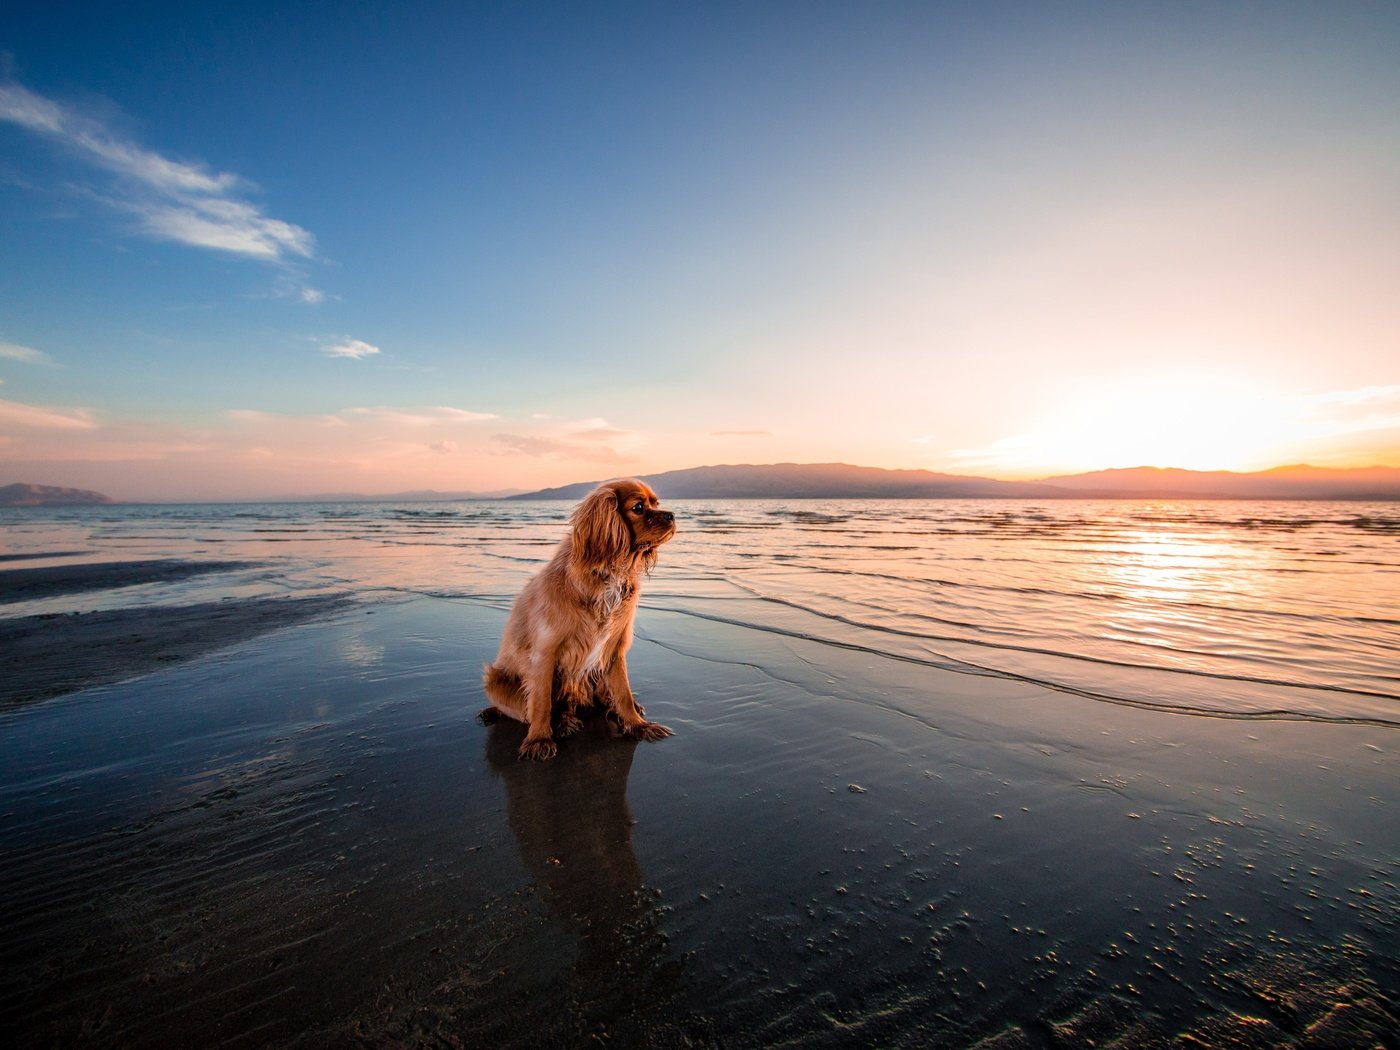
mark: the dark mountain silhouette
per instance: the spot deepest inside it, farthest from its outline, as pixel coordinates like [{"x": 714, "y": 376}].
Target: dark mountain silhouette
[
  {"x": 843, "y": 481},
  {"x": 25, "y": 495},
  {"x": 813, "y": 481}
]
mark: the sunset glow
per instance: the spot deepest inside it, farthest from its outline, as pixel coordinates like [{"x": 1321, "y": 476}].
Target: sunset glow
[
  {"x": 1013, "y": 245},
  {"x": 1165, "y": 421}
]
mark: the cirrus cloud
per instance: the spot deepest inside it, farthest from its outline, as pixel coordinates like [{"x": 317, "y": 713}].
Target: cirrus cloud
[
  {"x": 587, "y": 440},
  {"x": 355, "y": 349},
  {"x": 420, "y": 417},
  {"x": 26, "y": 354},
  {"x": 45, "y": 417},
  {"x": 540, "y": 447},
  {"x": 172, "y": 200}
]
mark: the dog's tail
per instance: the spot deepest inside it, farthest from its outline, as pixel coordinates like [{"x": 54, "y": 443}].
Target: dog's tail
[
  {"x": 506, "y": 693},
  {"x": 498, "y": 682}
]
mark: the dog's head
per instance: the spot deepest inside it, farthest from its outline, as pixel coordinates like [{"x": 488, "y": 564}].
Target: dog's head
[{"x": 620, "y": 523}]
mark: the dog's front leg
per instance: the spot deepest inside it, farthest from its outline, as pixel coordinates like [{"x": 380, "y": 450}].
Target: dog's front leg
[
  {"x": 539, "y": 703},
  {"x": 624, "y": 705},
  {"x": 574, "y": 695}
]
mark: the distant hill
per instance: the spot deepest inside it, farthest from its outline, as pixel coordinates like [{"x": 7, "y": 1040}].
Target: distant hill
[
  {"x": 813, "y": 481},
  {"x": 1295, "y": 482},
  {"x": 843, "y": 481},
  {"x": 24, "y": 495}
]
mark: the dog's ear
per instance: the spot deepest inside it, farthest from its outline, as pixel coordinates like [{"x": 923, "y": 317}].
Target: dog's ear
[{"x": 601, "y": 537}]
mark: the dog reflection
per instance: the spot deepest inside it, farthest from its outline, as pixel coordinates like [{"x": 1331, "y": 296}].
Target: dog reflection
[{"x": 573, "y": 827}]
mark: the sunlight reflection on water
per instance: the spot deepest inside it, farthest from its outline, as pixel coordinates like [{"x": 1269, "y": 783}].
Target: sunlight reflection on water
[{"x": 1222, "y": 607}]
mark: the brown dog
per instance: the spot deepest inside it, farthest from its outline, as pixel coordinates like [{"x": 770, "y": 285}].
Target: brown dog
[{"x": 570, "y": 629}]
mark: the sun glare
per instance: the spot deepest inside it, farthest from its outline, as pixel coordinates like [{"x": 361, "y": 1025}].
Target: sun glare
[{"x": 1155, "y": 422}]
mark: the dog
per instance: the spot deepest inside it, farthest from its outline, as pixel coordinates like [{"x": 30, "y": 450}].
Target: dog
[{"x": 568, "y": 633}]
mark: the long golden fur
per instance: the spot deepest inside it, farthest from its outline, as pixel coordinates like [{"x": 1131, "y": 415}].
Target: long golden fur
[{"x": 567, "y": 637}]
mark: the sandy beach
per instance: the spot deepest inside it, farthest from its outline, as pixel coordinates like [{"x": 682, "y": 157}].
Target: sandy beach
[{"x": 295, "y": 833}]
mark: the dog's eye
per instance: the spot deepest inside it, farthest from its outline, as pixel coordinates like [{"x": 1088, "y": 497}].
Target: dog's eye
[{"x": 637, "y": 508}]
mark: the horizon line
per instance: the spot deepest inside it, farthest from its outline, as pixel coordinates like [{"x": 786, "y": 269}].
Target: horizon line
[{"x": 468, "y": 495}]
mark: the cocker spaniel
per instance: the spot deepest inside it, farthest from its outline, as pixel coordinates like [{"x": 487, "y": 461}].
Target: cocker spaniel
[{"x": 567, "y": 637}]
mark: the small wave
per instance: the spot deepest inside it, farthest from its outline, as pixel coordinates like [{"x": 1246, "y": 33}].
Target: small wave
[
  {"x": 810, "y": 517},
  {"x": 953, "y": 664},
  {"x": 1095, "y": 596},
  {"x": 1103, "y": 661}
]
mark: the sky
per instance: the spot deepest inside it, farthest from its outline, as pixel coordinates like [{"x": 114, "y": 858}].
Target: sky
[{"x": 252, "y": 250}]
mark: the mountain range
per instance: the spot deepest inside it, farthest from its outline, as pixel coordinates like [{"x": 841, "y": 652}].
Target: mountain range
[
  {"x": 25, "y": 495},
  {"x": 843, "y": 481}
]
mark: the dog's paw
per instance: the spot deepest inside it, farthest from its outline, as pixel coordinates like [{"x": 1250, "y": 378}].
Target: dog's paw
[
  {"x": 648, "y": 731},
  {"x": 539, "y": 750},
  {"x": 488, "y": 716},
  {"x": 569, "y": 724}
]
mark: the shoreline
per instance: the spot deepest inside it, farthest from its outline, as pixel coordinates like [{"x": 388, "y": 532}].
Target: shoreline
[
  {"x": 50, "y": 655},
  {"x": 47, "y": 581},
  {"x": 307, "y": 839}
]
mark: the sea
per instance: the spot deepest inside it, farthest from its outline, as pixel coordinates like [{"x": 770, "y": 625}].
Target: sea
[
  {"x": 945, "y": 773},
  {"x": 1220, "y": 609}
]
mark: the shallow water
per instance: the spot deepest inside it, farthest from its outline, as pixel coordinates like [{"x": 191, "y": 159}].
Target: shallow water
[
  {"x": 306, "y": 839},
  {"x": 1274, "y": 609}
]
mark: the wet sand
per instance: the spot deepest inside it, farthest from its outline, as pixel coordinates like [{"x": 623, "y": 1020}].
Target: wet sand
[
  {"x": 25, "y": 584},
  {"x": 52, "y": 654},
  {"x": 307, "y": 839}
]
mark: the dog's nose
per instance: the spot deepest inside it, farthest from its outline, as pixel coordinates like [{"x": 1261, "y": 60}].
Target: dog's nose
[{"x": 666, "y": 517}]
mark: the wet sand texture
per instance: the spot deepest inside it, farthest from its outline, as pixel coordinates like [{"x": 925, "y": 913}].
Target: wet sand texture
[
  {"x": 17, "y": 585},
  {"x": 311, "y": 842},
  {"x": 49, "y": 655}
]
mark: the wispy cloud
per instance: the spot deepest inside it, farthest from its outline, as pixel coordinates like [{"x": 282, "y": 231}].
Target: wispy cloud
[
  {"x": 172, "y": 200},
  {"x": 588, "y": 440},
  {"x": 45, "y": 417},
  {"x": 26, "y": 354},
  {"x": 461, "y": 415},
  {"x": 420, "y": 417},
  {"x": 1363, "y": 410},
  {"x": 741, "y": 433},
  {"x": 367, "y": 437},
  {"x": 254, "y": 452},
  {"x": 600, "y": 434},
  {"x": 225, "y": 225},
  {"x": 1360, "y": 396},
  {"x": 540, "y": 447},
  {"x": 413, "y": 416},
  {"x": 356, "y": 349}
]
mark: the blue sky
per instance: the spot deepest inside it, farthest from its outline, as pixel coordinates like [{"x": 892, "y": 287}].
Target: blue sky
[{"x": 254, "y": 249}]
